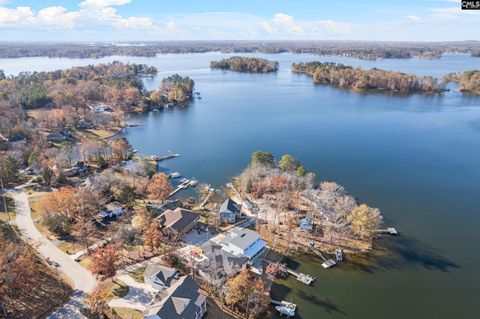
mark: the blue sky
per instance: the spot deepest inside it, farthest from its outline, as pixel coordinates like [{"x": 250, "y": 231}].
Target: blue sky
[{"x": 127, "y": 20}]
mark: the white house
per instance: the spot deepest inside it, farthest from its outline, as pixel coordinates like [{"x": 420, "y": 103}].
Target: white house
[
  {"x": 111, "y": 209},
  {"x": 243, "y": 242}
]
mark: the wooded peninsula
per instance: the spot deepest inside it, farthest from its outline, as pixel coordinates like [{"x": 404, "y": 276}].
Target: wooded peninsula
[
  {"x": 348, "y": 77},
  {"x": 468, "y": 81},
  {"x": 245, "y": 64}
]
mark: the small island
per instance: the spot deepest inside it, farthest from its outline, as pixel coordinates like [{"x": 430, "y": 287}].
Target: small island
[
  {"x": 173, "y": 89},
  {"x": 245, "y": 64},
  {"x": 347, "y": 77},
  {"x": 468, "y": 81}
]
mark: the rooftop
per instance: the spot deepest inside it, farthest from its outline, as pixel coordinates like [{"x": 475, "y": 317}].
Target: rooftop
[
  {"x": 177, "y": 219},
  {"x": 242, "y": 238},
  {"x": 181, "y": 301}
]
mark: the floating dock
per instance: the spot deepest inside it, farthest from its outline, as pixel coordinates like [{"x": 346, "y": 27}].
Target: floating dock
[
  {"x": 161, "y": 157},
  {"x": 327, "y": 263},
  {"x": 303, "y": 278}
]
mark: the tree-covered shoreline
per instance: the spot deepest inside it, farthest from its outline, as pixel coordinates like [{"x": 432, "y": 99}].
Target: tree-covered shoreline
[
  {"x": 245, "y": 64},
  {"x": 468, "y": 81},
  {"x": 347, "y": 77},
  {"x": 362, "y": 50}
]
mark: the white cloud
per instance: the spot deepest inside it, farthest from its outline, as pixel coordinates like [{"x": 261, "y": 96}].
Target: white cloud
[
  {"x": 413, "y": 17},
  {"x": 287, "y": 21},
  {"x": 50, "y": 17},
  {"x": 102, "y": 3},
  {"x": 98, "y": 12},
  {"x": 452, "y": 13},
  {"x": 267, "y": 27}
]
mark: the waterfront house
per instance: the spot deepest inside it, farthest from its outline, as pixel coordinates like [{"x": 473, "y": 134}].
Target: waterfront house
[
  {"x": 306, "y": 224},
  {"x": 243, "y": 242},
  {"x": 101, "y": 107},
  {"x": 182, "y": 300},
  {"x": 178, "y": 222},
  {"x": 218, "y": 264},
  {"x": 112, "y": 209},
  {"x": 159, "y": 276},
  {"x": 84, "y": 124},
  {"x": 229, "y": 211},
  {"x": 56, "y": 138}
]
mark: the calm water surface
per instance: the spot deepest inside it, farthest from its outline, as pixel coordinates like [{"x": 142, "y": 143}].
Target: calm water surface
[{"x": 415, "y": 157}]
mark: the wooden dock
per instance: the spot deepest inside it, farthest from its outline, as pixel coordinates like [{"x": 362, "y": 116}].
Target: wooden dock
[
  {"x": 303, "y": 278},
  {"x": 210, "y": 192},
  {"x": 327, "y": 263},
  {"x": 182, "y": 185},
  {"x": 161, "y": 157}
]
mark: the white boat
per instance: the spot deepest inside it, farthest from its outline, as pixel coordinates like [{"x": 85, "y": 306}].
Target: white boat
[
  {"x": 175, "y": 175},
  {"x": 287, "y": 311},
  {"x": 193, "y": 182}
]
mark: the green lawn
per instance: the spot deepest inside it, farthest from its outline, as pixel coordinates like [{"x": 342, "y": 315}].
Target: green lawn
[
  {"x": 138, "y": 274},
  {"x": 10, "y": 213},
  {"x": 126, "y": 313}
]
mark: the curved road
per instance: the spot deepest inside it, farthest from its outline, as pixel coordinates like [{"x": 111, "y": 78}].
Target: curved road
[{"x": 84, "y": 281}]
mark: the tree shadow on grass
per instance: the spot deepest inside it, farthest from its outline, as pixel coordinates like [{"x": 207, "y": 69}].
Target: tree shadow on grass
[{"x": 398, "y": 253}]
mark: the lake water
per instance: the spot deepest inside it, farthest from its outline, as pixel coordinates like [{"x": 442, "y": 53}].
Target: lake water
[{"x": 415, "y": 157}]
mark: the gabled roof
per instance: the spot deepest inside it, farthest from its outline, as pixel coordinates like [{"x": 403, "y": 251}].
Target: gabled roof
[
  {"x": 181, "y": 301},
  {"x": 163, "y": 273},
  {"x": 229, "y": 206},
  {"x": 177, "y": 219},
  {"x": 221, "y": 259}
]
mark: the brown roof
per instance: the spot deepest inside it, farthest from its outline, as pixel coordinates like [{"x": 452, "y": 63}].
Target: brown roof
[{"x": 177, "y": 219}]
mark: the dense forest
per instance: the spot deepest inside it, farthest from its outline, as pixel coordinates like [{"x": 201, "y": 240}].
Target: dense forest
[
  {"x": 374, "y": 79},
  {"x": 115, "y": 83},
  {"x": 245, "y": 64},
  {"x": 362, "y": 50},
  {"x": 468, "y": 81},
  {"x": 174, "y": 88}
]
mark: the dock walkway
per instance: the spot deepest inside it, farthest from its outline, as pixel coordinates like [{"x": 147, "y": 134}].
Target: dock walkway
[
  {"x": 327, "y": 263},
  {"x": 303, "y": 278}
]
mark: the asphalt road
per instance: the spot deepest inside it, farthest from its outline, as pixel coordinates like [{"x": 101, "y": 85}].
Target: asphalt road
[{"x": 84, "y": 282}]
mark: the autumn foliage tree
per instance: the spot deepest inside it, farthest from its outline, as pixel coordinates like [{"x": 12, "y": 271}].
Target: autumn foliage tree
[
  {"x": 247, "y": 292},
  {"x": 364, "y": 220},
  {"x": 153, "y": 236},
  {"x": 97, "y": 301},
  {"x": 17, "y": 268},
  {"x": 105, "y": 260},
  {"x": 62, "y": 201},
  {"x": 159, "y": 187},
  {"x": 120, "y": 149}
]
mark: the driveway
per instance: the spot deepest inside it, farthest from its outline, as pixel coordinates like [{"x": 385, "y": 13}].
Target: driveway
[
  {"x": 83, "y": 281},
  {"x": 139, "y": 295}
]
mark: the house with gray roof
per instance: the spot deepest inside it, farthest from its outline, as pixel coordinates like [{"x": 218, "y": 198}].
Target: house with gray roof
[
  {"x": 243, "y": 242},
  {"x": 218, "y": 264},
  {"x": 229, "y": 210},
  {"x": 159, "y": 276},
  {"x": 182, "y": 300}
]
